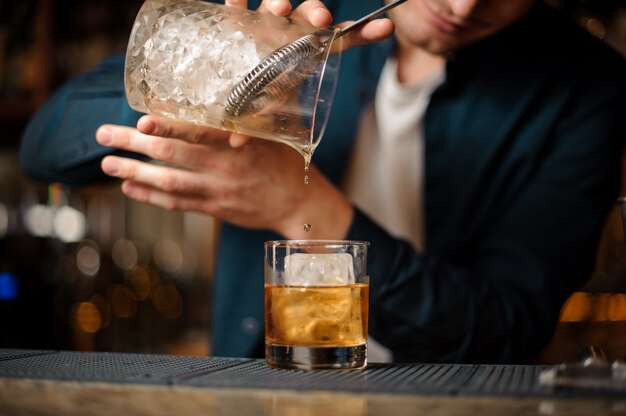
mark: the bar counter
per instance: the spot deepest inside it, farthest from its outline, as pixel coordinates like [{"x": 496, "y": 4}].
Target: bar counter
[{"x": 34, "y": 382}]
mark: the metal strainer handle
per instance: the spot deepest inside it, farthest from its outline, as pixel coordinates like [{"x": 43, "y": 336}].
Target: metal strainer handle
[{"x": 373, "y": 15}]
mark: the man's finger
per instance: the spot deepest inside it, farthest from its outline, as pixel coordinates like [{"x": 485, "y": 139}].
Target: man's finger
[
  {"x": 238, "y": 140},
  {"x": 371, "y": 32},
  {"x": 162, "y": 149},
  {"x": 275, "y": 7},
  {"x": 167, "y": 200},
  {"x": 164, "y": 178},
  {"x": 242, "y": 4},
  {"x": 314, "y": 12},
  {"x": 161, "y": 126}
]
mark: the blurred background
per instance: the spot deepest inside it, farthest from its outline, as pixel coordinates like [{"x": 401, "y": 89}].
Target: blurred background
[{"x": 87, "y": 269}]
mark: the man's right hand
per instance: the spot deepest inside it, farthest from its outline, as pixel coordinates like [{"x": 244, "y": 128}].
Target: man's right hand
[
  {"x": 258, "y": 185},
  {"x": 316, "y": 13}
]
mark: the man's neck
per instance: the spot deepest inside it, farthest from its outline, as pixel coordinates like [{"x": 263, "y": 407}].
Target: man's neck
[{"x": 416, "y": 64}]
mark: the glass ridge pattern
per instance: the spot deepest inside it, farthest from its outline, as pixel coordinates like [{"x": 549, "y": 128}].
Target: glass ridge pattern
[{"x": 195, "y": 51}]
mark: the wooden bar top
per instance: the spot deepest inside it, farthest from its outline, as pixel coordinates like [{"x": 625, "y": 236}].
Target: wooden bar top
[{"x": 47, "y": 397}]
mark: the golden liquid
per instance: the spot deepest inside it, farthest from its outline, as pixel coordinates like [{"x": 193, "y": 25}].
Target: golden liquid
[
  {"x": 265, "y": 126},
  {"x": 306, "y": 150},
  {"x": 316, "y": 315},
  {"x": 307, "y": 226}
]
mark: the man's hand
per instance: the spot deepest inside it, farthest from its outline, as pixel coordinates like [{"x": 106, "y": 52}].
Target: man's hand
[
  {"x": 257, "y": 185},
  {"x": 316, "y": 13},
  {"x": 248, "y": 182}
]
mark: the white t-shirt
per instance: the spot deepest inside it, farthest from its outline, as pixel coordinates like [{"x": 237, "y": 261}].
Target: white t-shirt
[{"x": 385, "y": 175}]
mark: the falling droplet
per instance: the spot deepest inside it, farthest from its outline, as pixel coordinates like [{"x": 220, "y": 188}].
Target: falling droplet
[
  {"x": 307, "y": 226},
  {"x": 306, "y": 177}
]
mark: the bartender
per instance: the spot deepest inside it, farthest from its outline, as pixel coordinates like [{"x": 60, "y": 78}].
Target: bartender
[{"x": 478, "y": 151}]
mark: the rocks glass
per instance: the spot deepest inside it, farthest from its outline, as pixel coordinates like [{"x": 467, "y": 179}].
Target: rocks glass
[
  {"x": 316, "y": 304},
  {"x": 185, "y": 56}
]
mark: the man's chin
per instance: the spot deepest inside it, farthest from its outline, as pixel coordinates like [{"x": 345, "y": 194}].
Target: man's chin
[{"x": 440, "y": 49}]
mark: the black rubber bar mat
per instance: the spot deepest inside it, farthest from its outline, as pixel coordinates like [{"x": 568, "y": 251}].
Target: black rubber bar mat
[{"x": 422, "y": 379}]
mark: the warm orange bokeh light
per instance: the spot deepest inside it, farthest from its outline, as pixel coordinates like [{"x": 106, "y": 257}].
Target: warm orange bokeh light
[
  {"x": 139, "y": 279},
  {"x": 616, "y": 309},
  {"x": 88, "y": 318},
  {"x": 123, "y": 301},
  {"x": 167, "y": 301},
  {"x": 596, "y": 307},
  {"x": 579, "y": 307},
  {"x": 104, "y": 307}
]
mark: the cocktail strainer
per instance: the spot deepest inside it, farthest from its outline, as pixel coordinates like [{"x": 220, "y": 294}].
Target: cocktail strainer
[{"x": 275, "y": 76}]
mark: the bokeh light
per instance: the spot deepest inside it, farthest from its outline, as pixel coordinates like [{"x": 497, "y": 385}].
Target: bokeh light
[
  {"x": 4, "y": 220},
  {"x": 88, "y": 318},
  {"x": 168, "y": 256},
  {"x": 122, "y": 301},
  {"x": 600, "y": 307},
  {"x": 616, "y": 308},
  {"x": 38, "y": 220},
  {"x": 69, "y": 224},
  {"x": 167, "y": 301},
  {"x": 140, "y": 280},
  {"x": 597, "y": 307},
  {"x": 88, "y": 258},
  {"x": 9, "y": 286},
  {"x": 124, "y": 254},
  {"x": 104, "y": 308},
  {"x": 578, "y": 307},
  {"x": 595, "y": 27}
]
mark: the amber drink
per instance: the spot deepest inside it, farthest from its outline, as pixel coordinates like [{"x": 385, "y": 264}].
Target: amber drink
[{"x": 316, "y": 304}]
